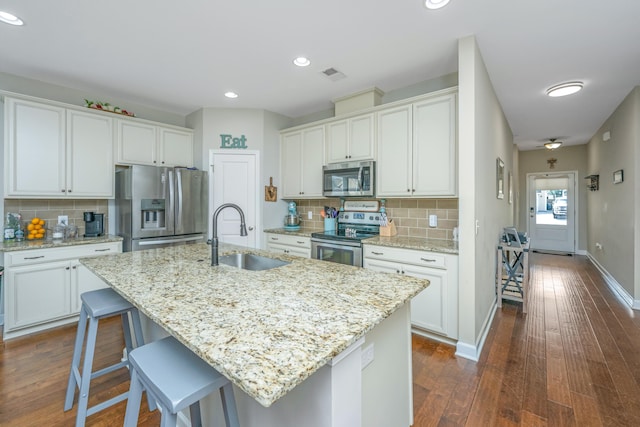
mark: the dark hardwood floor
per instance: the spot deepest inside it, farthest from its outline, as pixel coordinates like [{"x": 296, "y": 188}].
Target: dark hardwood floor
[{"x": 574, "y": 359}]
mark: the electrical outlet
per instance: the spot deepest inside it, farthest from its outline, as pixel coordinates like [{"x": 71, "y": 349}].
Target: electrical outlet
[
  {"x": 367, "y": 355},
  {"x": 310, "y": 214},
  {"x": 433, "y": 220},
  {"x": 63, "y": 219}
]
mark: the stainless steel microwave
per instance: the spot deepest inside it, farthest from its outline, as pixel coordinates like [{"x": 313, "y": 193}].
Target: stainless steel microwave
[{"x": 349, "y": 179}]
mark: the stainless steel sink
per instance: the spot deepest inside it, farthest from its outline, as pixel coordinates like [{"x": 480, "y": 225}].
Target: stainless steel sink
[{"x": 251, "y": 262}]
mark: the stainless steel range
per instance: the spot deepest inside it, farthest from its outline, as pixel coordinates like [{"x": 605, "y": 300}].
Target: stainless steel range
[{"x": 344, "y": 245}]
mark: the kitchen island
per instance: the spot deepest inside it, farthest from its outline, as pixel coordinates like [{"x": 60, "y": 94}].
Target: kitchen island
[{"x": 291, "y": 338}]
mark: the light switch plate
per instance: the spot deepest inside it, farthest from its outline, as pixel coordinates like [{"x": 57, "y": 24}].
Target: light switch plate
[{"x": 63, "y": 219}]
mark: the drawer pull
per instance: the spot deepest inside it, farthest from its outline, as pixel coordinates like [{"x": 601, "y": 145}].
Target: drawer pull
[
  {"x": 377, "y": 253},
  {"x": 300, "y": 242},
  {"x": 274, "y": 238},
  {"x": 427, "y": 260},
  {"x": 102, "y": 250},
  {"x": 34, "y": 257}
]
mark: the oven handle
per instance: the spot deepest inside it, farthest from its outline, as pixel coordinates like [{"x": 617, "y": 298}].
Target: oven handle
[{"x": 336, "y": 243}]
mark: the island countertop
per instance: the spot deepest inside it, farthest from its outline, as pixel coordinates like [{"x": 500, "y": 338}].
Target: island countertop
[{"x": 267, "y": 331}]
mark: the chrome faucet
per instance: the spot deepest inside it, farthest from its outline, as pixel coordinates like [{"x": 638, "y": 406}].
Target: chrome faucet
[{"x": 214, "y": 240}]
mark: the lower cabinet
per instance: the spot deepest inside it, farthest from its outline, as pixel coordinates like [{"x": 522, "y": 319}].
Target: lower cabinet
[
  {"x": 289, "y": 244},
  {"x": 43, "y": 286},
  {"x": 435, "y": 309}
]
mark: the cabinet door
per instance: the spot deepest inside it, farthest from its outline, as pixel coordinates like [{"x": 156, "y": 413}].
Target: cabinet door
[
  {"x": 394, "y": 152},
  {"x": 362, "y": 138},
  {"x": 291, "y": 165},
  {"x": 312, "y": 161},
  {"x": 434, "y": 147},
  {"x": 176, "y": 147},
  {"x": 82, "y": 280},
  {"x": 338, "y": 142},
  {"x": 34, "y": 162},
  {"x": 89, "y": 155},
  {"x": 37, "y": 293},
  {"x": 429, "y": 309},
  {"x": 137, "y": 143}
]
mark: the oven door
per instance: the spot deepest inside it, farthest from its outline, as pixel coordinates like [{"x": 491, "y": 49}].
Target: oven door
[{"x": 334, "y": 251}]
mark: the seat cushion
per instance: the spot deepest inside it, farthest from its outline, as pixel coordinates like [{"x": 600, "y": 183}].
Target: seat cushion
[{"x": 104, "y": 302}]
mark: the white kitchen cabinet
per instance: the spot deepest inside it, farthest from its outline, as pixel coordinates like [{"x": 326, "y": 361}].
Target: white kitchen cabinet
[
  {"x": 302, "y": 158},
  {"x": 435, "y": 309},
  {"x": 89, "y": 163},
  {"x": 149, "y": 144},
  {"x": 43, "y": 286},
  {"x": 417, "y": 149},
  {"x": 289, "y": 244},
  {"x": 351, "y": 139},
  {"x": 53, "y": 152}
]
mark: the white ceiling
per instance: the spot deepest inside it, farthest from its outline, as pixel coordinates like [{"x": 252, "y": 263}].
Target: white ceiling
[{"x": 182, "y": 56}]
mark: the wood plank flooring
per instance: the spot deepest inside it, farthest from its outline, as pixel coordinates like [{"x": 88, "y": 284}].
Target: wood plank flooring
[{"x": 573, "y": 360}]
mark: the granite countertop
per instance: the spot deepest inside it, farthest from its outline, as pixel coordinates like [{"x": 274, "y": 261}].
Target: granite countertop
[
  {"x": 267, "y": 331},
  {"x": 417, "y": 243},
  {"x": 304, "y": 231},
  {"x": 12, "y": 245}
]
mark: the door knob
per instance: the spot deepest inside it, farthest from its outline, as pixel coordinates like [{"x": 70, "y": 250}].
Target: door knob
[{"x": 250, "y": 228}]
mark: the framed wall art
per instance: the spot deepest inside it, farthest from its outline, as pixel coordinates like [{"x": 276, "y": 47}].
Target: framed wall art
[
  {"x": 618, "y": 176},
  {"x": 499, "y": 178}
]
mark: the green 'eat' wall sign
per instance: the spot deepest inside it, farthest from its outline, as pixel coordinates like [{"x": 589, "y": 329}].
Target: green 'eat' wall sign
[{"x": 228, "y": 141}]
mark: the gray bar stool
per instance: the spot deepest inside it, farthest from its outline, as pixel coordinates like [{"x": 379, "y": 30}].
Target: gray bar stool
[
  {"x": 97, "y": 305},
  {"x": 177, "y": 378}
]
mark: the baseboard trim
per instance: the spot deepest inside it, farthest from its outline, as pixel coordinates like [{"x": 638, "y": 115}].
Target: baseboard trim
[
  {"x": 473, "y": 351},
  {"x": 614, "y": 285}
]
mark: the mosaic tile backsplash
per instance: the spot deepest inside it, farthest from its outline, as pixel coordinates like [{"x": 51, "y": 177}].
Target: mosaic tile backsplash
[
  {"x": 50, "y": 209},
  {"x": 411, "y": 215}
]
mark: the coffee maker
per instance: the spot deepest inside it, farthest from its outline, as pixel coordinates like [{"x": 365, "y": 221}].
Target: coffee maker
[{"x": 93, "y": 224}]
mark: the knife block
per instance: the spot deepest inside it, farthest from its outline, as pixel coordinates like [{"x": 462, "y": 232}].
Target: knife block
[{"x": 389, "y": 230}]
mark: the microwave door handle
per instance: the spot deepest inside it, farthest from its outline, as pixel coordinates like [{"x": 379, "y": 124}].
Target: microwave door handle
[{"x": 360, "y": 179}]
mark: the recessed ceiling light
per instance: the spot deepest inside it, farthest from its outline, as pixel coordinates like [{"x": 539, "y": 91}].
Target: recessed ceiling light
[
  {"x": 10, "y": 18},
  {"x": 301, "y": 61},
  {"x": 231, "y": 95},
  {"x": 564, "y": 89},
  {"x": 435, "y": 4}
]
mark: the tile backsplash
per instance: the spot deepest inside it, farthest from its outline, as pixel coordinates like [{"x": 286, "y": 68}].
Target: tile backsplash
[
  {"x": 410, "y": 215},
  {"x": 51, "y": 208}
]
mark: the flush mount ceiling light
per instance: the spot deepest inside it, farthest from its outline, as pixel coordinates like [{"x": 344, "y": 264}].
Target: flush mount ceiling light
[
  {"x": 231, "y": 95},
  {"x": 301, "y": 61},
  {"x": 564, "y": 89},
  {"x": 435, "y": 4},
  {"x": 552, "y": 144},
  {"x": 10, "y": 18}
]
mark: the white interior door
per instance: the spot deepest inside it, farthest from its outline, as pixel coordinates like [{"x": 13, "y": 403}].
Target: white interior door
[
  {"x": 552, "y": 211},
  {"x": 234, "y": 180}
]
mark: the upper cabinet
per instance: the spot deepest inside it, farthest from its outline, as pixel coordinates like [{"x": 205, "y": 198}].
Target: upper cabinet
[
  {"x": 351, "y": 139},
  {"x": 302, "y": 158},
  {"x": 148, "y": 144},
  {"x": 417, "y": 149},
  {"x": 55, "y": 152}
]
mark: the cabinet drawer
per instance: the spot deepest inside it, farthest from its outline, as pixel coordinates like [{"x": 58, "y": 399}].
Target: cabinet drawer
[
  {"x": 406, "y": 256},
  {"x": 54, "y": 254},
  {"x": 283, "y": 239}
]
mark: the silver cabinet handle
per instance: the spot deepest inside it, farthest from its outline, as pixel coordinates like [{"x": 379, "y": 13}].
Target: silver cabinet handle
[
  {"x": 377, "y": 253},
  {"x": 274, "y": 238},
  {"x": 102, "y": 250},
  {"x": 34, "y": 257},
  {"x": 300, "y": 242},
  {"x": 427, "y": 260}
]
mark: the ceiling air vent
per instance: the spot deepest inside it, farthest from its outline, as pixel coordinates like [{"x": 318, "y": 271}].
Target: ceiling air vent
[{"x": 333, "y": 74}]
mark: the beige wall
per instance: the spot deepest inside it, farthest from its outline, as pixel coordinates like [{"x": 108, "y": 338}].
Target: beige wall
[
  {"x": 484, "y": 135},
  {"x": 411, "y": 215},
  {"x": 573, "y": 158},
  {"x": 614, "y": 213}
]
